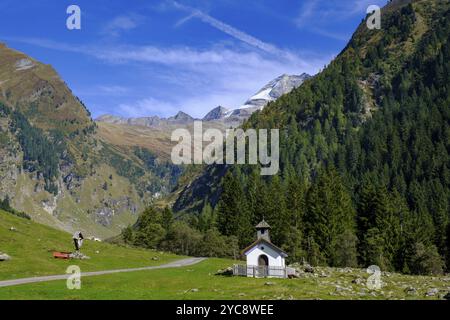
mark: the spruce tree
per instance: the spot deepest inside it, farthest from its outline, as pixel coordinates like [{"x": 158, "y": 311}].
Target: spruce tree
[
  {"x": 329, "y": 216},
  {"x": 234, "y": 218}
]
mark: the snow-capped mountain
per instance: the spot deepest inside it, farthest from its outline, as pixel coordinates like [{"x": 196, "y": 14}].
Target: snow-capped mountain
[{"x": 272, "y": 91}]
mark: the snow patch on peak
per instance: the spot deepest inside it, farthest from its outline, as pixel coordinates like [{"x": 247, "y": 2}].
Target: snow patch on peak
[
  {"x": 262, "y": 95},
  {"x": 271, "y": 92}
]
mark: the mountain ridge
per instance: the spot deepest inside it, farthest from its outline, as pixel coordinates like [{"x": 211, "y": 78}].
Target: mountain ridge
[{"x": 270, "y": 92}]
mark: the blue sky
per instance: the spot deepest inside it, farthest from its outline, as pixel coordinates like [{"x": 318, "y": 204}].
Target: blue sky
[{"x": 156, "y": 57}]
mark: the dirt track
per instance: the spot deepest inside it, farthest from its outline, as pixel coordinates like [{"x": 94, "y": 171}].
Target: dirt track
[{"x": 174, "y": 264}]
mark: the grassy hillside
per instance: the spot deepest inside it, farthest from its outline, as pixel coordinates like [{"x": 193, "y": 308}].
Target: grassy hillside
[
  {"x": 200, "y": 282},
  {"x": 31, "y": 244},
  {"x": 38, "y": 92},
  {"x": 155, "y": 139}
]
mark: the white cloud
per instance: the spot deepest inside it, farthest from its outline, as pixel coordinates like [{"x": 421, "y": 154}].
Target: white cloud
[
  {"x": 147, "y": 107},
  {"x": 122, "y": 23},
  {"x": 188, "y": 79},
  {"x": 195, "y": 105},
  {"x": 204, "y": 79},
  {"x": 235, "y": 33},
  {"x": 103, "y": 90},
  {"x": 306, "y": 12},
  {"x": 113, "y": 89},
  {"x": 190, "y": 57},
  {"x": 46, "y": 43}
]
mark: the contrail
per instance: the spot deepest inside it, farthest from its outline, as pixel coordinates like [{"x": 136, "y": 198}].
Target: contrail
[{"x": 240, "y": 35}]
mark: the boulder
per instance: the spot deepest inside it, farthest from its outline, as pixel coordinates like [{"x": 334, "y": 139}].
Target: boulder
[
  {"x": 358, "y": 281},
  {"x": 269, "y": 283},
  {"x": 411, "y": 291},
  {"x": 308, "y": 268},
  {"x": 225, "y": 272},
  {"x": 432, "y": 292},
  {"x": 447, "y": 296},
  {"x": 79, "y": 256},
  {"x": 339, "y": 288}
]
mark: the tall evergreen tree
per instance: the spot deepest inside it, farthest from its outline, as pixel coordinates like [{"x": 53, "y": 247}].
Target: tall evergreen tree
[
  {"x": 234, "y": 217},
  {"x": 329, "y": 216}
]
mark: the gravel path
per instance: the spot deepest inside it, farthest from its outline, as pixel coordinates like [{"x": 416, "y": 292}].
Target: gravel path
[{"x": 174, "y": 264}]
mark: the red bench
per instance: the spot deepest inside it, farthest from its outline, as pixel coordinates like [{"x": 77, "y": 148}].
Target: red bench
[{"x": 61, "y": 255}]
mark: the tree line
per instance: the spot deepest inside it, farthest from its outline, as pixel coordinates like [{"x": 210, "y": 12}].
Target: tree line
[{"x": 157, "y": 229}]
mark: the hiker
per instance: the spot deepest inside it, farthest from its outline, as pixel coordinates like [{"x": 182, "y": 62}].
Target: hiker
[{"x": 78, "y": 240}]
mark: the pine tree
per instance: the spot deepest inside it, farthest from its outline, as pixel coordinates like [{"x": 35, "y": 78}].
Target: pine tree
[
  {"x": 329, "y": 216},
  {"x": 234, "y": 218},
  {"x": 379, "y": 218},
  {"x": 276, "y": 213},
  {"x": 167, "y": 219},
  {"x": 127, "y": 235},
  {"x": 207, "y": 218}
]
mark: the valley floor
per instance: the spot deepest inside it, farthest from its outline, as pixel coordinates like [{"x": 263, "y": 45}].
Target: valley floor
[
  {"x": 30, "y": 246},
  {"x": 174, "y": 264},
  {"x": 199, "y": 281}
]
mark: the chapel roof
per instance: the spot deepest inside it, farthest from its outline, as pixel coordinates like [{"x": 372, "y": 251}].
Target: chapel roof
[
  {"x": 263, "y": 225},
  {"x": 268, "y": 243}
]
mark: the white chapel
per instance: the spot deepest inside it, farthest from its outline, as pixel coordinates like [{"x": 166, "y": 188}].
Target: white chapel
[{"x": 263, "y": 257}]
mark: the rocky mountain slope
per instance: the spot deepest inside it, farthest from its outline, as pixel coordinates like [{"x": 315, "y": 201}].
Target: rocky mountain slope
[
  {"x": 54, "y": 165},
  {"x": 180, "y": 118},
  {"x": 217, "y": 113}
]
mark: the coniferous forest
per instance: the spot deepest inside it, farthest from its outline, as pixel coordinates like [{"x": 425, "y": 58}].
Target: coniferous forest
[
  {"x": 364, "y": 170},
  {"x": 360, "y": 185},
  {"x": 361, "y": 182}
]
